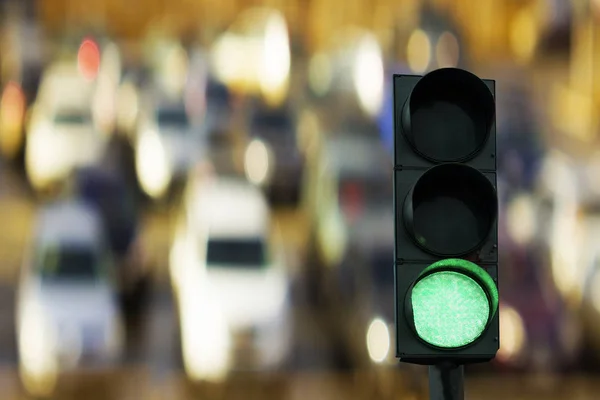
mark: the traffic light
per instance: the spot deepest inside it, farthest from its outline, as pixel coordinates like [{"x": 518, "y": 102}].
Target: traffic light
[{"x": 446, "y": 206}]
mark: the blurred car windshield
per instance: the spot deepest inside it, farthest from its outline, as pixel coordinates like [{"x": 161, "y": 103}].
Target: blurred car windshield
[
  {"x": 173, "y": 117},
  {"x": 72, "y": 118},
  {"x": 71, "y": 262},
  {"x": 240, "y": 253}
]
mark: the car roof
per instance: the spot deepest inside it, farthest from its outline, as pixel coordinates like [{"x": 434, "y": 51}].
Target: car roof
[
  {"x": 68, "y": 221},
  {"x": 231, "y": 206}
]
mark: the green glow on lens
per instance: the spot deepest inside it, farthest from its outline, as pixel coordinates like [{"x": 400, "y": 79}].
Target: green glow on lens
[
  {"x": 460, "y": 265},
  {"x": 450, "y": 309}
]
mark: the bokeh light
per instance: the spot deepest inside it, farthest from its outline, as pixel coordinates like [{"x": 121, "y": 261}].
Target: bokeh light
[
  {"x": 12, "y": 118},
  {"x": 521, "y": 219},
  {"x": 447, "y": 50},
  {"x": 524, "y": 35},
  {"x": 378, "y": 340},
  {"x": 88, "y": 59},
  {"x": 450, "y": 309},
  {"x": 368, "y": 75},
  {"x": 418, "y": 52},
  {"x": 256, "y": 162},
  {"x": 320, "y": 74},
  {"x": 513, "y": 334}
]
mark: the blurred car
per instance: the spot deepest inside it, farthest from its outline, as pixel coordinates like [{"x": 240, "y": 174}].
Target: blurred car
[
  {"x": 167, "y": 145},
  {"x": 67, "y": 315},
  {"x": 230, "y": 283},
  {"x": 108, "y": 192},
  {"x": 62, "y": 133},
  {"x": 349, "y": 177},
  {"x": 99, "y": 59},
  {"x": 273, "y": 158}
]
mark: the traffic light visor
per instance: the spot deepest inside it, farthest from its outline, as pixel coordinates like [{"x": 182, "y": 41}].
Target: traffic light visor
[
  {"x": 451, "y": 209},
  {"x": 448, "y": 115},
  {"x": 451, "y": 303}
]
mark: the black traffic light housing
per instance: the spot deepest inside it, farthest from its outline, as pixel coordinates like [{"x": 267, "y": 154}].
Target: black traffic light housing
[{"x": 444, "y": 194}]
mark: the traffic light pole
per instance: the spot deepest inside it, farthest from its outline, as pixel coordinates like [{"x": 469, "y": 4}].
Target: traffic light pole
[{"x": 446, "y": 382}]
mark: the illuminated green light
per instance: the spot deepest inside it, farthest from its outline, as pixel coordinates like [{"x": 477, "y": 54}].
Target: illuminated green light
[
  {"x": 450, "y": 309},
  {"x": 460, "y": 265}
]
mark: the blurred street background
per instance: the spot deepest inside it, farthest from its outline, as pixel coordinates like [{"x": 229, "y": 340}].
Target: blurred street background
[{"x": 196, "y": 196}]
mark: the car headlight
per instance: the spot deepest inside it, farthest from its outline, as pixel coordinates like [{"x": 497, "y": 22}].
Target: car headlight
[
  {"x": 205, "y": 339},
  {"x": 152, "y": 165},
  {"x": 259, "y": 162},
  {"x": 44, "y": 159},
  {"x": 38, "y": 364},
  {"x": 37, "y": 342},
  {"x": 378, "y": 340}
]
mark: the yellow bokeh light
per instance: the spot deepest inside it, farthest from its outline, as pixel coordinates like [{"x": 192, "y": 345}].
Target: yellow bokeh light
[
  {"x": 512, "y": 332},
  {"x": 521, "y": 219},
  {"x": 566, "y": 268},
  {"x": 308, "y": 132},
  {"x": 418, "y": 51},
  {"x": 524, "y": 35},
  {"x": 256, "y": 162}
]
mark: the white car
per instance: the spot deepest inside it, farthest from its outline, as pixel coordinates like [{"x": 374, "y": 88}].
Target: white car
[
  {"x": 229, "y": 281},
  {"x": 67, "y": 312},
  {"x": 168, "y": 144},
  {"x": 62, "y": 134}
]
